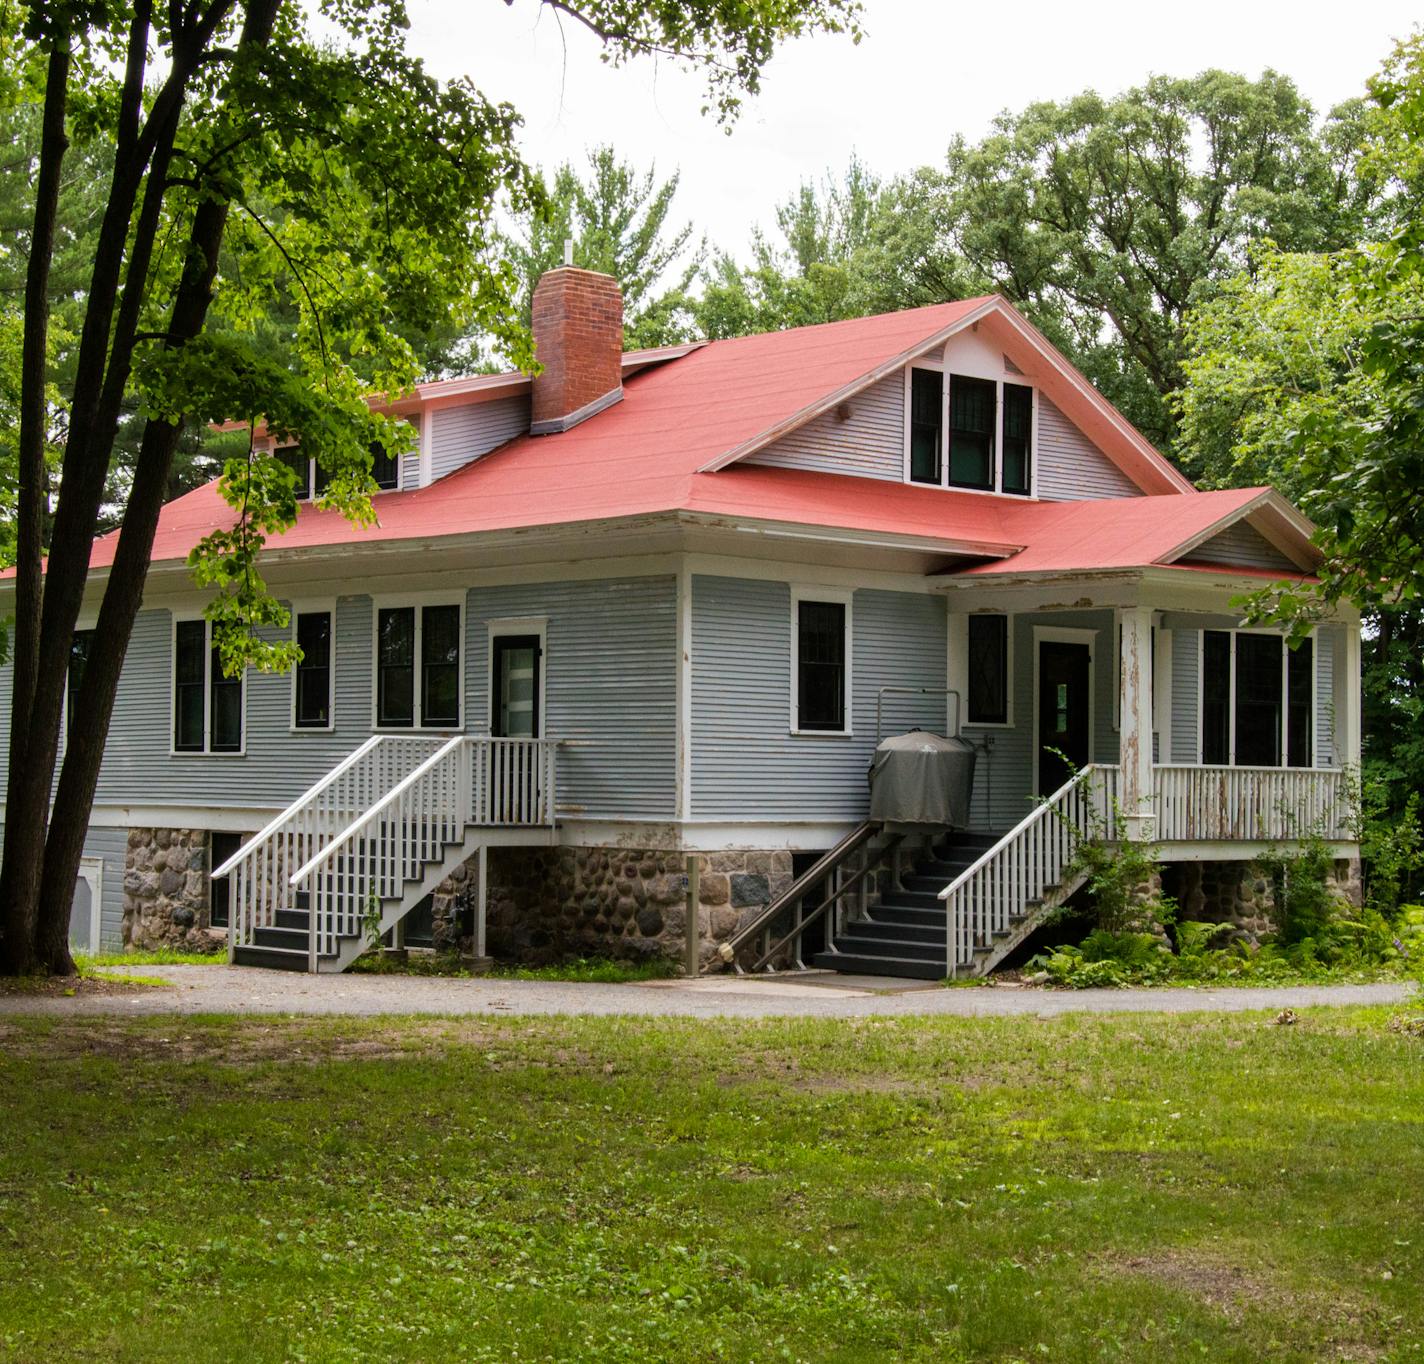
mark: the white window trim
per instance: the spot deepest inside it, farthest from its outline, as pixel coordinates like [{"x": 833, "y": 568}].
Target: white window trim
[
  {"x": 506, "y": 626},
  {"x": 174, "y": 751},
  {"x": 313, "y": 608},
  {"x": 1008, "y": 722},
  {"x": 1313, "y": 731},
  {"x": 401, "y": 486},
  {"x": 947, "y": 374},
  {"x": 416, "y": 600},
  {"x": 845, "y": 597},
  {"x": 1062, "y": 634}
]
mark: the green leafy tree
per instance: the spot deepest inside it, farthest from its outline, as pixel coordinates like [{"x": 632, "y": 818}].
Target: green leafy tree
[
  {"x": 344, "y": 184},
  {"x": 1130, "y": 211},
  {"x": 618, "y": 221}
]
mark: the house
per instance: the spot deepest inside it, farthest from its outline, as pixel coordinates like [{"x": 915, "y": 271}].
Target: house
[{"x": 633, "y": 626}]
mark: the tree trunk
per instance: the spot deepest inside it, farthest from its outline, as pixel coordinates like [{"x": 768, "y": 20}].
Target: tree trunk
[
  {"x": 17, "y": 927},
  {"x": 123, "y": 594}
]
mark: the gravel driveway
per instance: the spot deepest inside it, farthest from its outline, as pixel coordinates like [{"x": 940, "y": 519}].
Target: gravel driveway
[{"x": 249, "y": 990}]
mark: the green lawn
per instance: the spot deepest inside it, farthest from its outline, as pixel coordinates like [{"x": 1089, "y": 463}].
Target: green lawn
[{"x": 1141, "y": 1188}]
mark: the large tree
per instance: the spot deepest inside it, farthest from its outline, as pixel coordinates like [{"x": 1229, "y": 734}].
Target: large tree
[{"x": 345, "y": 182}]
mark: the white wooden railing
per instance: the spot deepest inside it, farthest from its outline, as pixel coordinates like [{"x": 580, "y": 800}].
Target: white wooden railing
[
  {"x": 372, "y": 864},
  {"x": 1029, "y": 860},
  {"x": 260, "y": 868},
  {"x": 1260, "y": 804}
]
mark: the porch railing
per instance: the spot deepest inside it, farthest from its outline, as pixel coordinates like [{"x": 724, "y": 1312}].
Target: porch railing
[
  {"x": 390, "y": 846},
  {"x": 1021, "y": 867},
  {"x": 260, "y": 868},
  {"x": 1257, "y": 804}
]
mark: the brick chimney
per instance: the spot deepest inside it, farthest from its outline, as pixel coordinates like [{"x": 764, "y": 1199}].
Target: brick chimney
[{"x": 578, "y": 338}]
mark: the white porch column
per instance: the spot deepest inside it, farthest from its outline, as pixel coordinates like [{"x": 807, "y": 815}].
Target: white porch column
[{"x": 1135, "y": 786}]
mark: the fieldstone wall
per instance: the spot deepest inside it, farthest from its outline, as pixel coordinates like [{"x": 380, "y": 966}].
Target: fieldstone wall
[
  {"x": 547, "y": 903},
  {"x": 1243, "y": 894},
  {"x": 166, "y": 890}
]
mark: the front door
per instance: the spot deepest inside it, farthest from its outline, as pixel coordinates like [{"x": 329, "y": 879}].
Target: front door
[
  {"x": 1064, "y": 677},
  {"x": 516, "y": 687}
]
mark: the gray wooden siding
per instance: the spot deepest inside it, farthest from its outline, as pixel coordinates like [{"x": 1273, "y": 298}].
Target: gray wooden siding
[
  {"x": 1325, "y": 698},
  {"x": 1070, "y": 467},
  {"x": 1241, "y": 546},
  {"x": 1186, "y": 682},
  {"x": 410, "y": 463},
  {"x": 461, "y": 434},
  {"x": 1003, "y": 774},
  {"x": 610, "y": 676},
  {"x": 746, "y": 765},
  {"x": 111, "y": 847},
  {"x": 871, "y": 443}
]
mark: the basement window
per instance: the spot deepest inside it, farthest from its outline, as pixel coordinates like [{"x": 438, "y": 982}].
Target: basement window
[
  {"x": 207, "y": 704},
  {"x": 1258, "y": 700}
]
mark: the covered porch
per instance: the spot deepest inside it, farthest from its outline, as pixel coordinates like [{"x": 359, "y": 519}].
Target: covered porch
[{"x": 1214, "y": 740}]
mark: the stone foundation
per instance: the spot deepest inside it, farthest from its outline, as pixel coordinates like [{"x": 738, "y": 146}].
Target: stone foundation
[
  {"x": 166, "y": 890},
  {"x": 1243, "y": 894},
  {"x": 548, "y": 903}
]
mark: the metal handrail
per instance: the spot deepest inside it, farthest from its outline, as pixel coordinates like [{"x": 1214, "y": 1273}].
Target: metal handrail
[
  {"x": 305, "y": 799},
  {"x": 824, "y": 865},
  {"x": 917, "y": 691}
]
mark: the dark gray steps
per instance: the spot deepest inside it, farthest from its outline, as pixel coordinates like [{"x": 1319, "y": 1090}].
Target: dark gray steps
[
  {"x": 873, "y": 964},
  {"x": 273, "y": 958},
  {"x": 880, "y": 929},
  {"x": 922, "y": 916}
]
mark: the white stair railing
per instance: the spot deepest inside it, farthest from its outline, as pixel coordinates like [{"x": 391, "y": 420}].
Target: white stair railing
[
  {"x": 259, "y": 870},
  {"x": 1261, "y": 804},
  {"x": 371, "y": 865},
  {"x": 1032, "y": 857}
]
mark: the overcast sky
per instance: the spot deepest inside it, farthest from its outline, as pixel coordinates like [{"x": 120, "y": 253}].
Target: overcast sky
[{"x": 923, "y": 72}]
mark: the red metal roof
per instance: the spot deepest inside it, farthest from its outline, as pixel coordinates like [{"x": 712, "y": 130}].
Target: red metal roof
[{"x": 642, "y": 456}]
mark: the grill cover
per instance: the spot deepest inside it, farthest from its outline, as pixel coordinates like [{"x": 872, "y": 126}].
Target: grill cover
[{"x": 922, "y": 778}]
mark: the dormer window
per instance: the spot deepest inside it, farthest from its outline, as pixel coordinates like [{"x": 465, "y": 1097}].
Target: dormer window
[
  {"x": 968, "y": 432},
  {"x": 312, "y": 480}
]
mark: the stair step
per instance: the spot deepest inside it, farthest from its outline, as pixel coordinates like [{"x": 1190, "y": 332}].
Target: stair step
[
  {"x": 274, "y": 958},
  {"x": 913, "y": 899},
  {"x": 293, "y": 918},
  {"x": 872, "y": 964},
  {"x": 292, "y": 939},
  {"x": 877, "y": 929},
  {"x": 891, "y": 945},
  {"x": 922, "y": 916}
]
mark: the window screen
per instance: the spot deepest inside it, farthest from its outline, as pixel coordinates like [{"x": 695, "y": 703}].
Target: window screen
[
  {"x": 820, "y": 665},
  {"x": 395, "y": 666},
  {"x": 926, "y": 386},
  {"x": 440, "y": 665},
  {"x": 313, "y": 709},
  {"x": 971, "y": 432},
  {"x": 226, "y": 702},
  {"x": 1018, "y": 438},
  {"x": 988, "y": 699},
  {"x": 189, "y": 679}
]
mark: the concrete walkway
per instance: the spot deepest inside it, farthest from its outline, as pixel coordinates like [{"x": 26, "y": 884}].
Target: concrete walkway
[{"x": 248, "y": 990}]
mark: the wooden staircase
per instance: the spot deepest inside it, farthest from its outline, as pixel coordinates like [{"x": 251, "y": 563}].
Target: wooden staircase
[{"x": 349, "y": 859}]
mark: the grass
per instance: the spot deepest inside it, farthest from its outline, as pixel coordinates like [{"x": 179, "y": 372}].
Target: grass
[
  {"x": 585, "y": 970},
  {"x": 159, "y": 956},
  {"x": 1084, "y": 1188}
]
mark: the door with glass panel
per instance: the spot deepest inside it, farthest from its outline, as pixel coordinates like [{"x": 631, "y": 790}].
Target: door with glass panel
[{"x": 516, "y": 693}]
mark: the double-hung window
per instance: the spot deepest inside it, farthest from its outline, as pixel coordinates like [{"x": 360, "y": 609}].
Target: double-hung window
[
  {"x": 822, "y": 664},
  {"x": 311, "y": 698},
  {"x": 926, "y": 415},
  {"x": 1258, "y": 700},
  {"x": 988, "y": 671},
  {"x": 207, "y": 704},
  {"x": 973, "y": 415},
  {"x": 1016, "y": 475},
  {"x": 80, "y": 644},
  {"x": 418, "y": 667}
]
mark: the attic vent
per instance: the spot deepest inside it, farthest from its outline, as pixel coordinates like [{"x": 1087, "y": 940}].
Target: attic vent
[{"x": 1010, "y": 367}]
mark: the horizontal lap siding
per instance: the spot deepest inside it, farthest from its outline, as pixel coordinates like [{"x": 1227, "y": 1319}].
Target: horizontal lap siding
[
  {"x": 461, "y": 434},
  {"x": 1070, "y": 467},
  {"x": 1241, "y": 546},
  {"x": 746, "y": 765},
  {"x": 871, "y": 442},
  {"x": 111, "y": 845},
  {"x": 610, "y": 675}
]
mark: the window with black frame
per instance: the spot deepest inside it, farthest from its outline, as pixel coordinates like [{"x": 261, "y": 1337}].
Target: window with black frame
[
  {"x": 821, "y": 666},
  {"x": 988, "y": 671},
  {"x": 221, "y": 846},
  {"x": 440, "y": 665},
  {"x": 385, "y": 468},
  {"x": 225, "y": 703},
  {"x": 207, "y": 704},
  {"x": 80, "y": 643},
  {"x": 1258, "y": 700},
  {"x": 926, "y": 419},
  {"x": 1017, "y": 473},
  {"x": 971, "y": 432},
  {"x": 312, "y": 703},
  {"x": 297, "y": 460},
  {"x": 395, "y": 666},
  {"x": 418, "y": 666}
]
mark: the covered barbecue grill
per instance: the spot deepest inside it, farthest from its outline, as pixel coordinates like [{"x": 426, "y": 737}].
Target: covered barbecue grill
[{"x": 922, "y": 778}]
